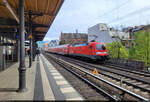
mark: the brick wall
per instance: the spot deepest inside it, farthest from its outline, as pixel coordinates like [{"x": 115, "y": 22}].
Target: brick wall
[{"x": 72, "y": 38}]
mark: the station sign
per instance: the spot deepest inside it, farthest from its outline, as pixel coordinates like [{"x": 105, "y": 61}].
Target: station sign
[
  {"x": 30, "y": 36},
  {"x": 18, "y": 36}
]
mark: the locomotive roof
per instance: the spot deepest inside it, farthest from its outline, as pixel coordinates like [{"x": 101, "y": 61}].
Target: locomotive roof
[
  {"x": 97, "y": 43},
  {"x": 76, "y": 45},
  {"x": 85, "y": 44},
  {"x": 59, "y": 46}
]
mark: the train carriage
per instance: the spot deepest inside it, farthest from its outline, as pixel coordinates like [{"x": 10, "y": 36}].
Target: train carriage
[
  {"x": 96, "y": 51},
  {"x": 93, "y": 50},
  {"x": 61, "y": 49}
]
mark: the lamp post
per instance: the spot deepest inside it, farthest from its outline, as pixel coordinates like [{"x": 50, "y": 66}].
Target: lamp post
[
  {"x": 148, "y": 48},
  {"x": 118, "y": 50},
  {"x": 22, "y": 68},
  {"x": 118, "y": 46},
  {"x": 31, "y": 44}
]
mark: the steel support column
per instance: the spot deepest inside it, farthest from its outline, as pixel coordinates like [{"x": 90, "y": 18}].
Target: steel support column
[
  {"x": 34, "y": 49},
  {"x": 30, "y": 32},
  {"x": 18, "y": 49},
  {"x": 3, "y": 54},
  {"x": 22, "y": 68},
  {"x": 31, "y": 54}
]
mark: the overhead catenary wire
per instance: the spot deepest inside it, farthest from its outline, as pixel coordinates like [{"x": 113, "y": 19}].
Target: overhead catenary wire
[
  {"x": 121, "y": 5},
  {"x": 144, "y": 9}
]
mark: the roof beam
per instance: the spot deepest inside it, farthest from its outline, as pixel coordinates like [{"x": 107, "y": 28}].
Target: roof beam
[
  {"x": 7, "y": 21},
  {"x": 39, "y": 35},
  {"x": 39, "y": 25},
  {"x": 12, "y": 22},
  {"x": 8, "y": 30},
  {"x": 40, "y": 13},
  {"x": 5, "y": 2},
  {"x": 10, "y": 9},
  {"x": 39, "y": 32}
]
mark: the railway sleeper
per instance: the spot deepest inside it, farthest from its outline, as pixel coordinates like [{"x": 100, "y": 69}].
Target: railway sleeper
[
  {"x": 104, "y": 84},
  {"x": 105, "y": 87},
  {"x": 79, "y": 74},
  {"x": 144, "y": 85},
  {"x": 116, "y": 95},
  {"x": 138, "y": 83},
  {"x": 115, "y": 92},
  {"x": 114, "y": 81},
  {"x": 125, "y": 81},
  {"x": 131, "y": 81},
  {"x": 131, "y": 88}
]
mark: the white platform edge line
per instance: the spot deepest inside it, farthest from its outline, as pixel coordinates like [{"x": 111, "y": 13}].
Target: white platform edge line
[
  {"x": 80, "y": 98},
  {"x": 48, "y": 94}
]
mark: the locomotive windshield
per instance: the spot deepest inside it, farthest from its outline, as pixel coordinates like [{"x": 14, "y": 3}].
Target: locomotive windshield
[{"x": 100, "y": 47}]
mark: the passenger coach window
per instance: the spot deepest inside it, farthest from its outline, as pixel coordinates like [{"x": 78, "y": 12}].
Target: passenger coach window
[{"x": 100, "y": 47}]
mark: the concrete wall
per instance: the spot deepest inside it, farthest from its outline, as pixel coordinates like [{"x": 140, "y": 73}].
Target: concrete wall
[
  {"x": 102, "y": 34},
  {"x": 121, "y": 35}
]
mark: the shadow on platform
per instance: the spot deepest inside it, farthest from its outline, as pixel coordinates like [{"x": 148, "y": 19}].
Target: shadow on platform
[{"x": 8, "y": 89}]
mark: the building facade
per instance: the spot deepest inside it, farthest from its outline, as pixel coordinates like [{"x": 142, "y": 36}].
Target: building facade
[
  {"x": 73, "y": 38},
  {"x": 53, "y": 43},
  {"x": 101, "y": 33}
]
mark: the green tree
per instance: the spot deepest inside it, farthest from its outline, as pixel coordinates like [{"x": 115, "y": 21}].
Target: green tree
[
  {"x": 117, "y": 50},
  {"x": 139, "y": 52},
  {"x": 141, "y": 49}
]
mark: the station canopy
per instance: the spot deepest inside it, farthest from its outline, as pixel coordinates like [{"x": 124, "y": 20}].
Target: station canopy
[{"x": 43, "y": 13}]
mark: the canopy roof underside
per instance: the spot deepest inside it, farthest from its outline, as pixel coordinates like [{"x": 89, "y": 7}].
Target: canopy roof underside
[{"x": 43, "y": 12}]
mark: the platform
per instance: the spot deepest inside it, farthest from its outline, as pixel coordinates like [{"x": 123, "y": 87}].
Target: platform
[{"x": 43, "y": 82}]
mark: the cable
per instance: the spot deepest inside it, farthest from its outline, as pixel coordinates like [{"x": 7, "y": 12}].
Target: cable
[
  {"x": 115, "y": 8},
  {"x": 132, "y": 14}
]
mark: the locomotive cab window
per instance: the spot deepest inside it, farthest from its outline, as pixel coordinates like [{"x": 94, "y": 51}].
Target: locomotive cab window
[
  {"x": 100, "y": 47},
  {"x": 91, "y": 47}
]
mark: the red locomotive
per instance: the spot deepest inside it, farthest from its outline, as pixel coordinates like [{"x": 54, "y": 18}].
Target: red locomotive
[{"x": 94, "y": 50}]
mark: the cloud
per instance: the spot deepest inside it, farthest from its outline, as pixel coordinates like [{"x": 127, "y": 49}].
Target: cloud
[
  {"x": 78, "y": 14},
  {"x": 82, "y": 14},
  {"x": 49, "y": 38}
]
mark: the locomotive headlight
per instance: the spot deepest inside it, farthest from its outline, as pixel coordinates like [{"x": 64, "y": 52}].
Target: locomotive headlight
[{"x": 100, "y": 53}]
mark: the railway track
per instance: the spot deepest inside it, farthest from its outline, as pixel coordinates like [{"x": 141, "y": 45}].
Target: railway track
[
  {"x": 84, "y": 87},
  {"x": 126, "y": 68},
  {"x": 130, "y": 80},
  {"x": 96, "y": 81},
  {"x": 144, "y": 77},
  {"x": 125, "y": 78}
]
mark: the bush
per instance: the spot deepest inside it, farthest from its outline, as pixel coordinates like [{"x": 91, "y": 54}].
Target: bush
[
  {"x": 117, "y": 50},
  {"x": 141, "y": 49}
]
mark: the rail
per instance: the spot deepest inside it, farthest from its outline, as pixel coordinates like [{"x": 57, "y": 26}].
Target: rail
[
  {"x": 105, "y": 81},
  {"x": 108, "y": 75}
]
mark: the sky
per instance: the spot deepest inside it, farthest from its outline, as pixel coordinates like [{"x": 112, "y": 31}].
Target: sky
[{"x": 82, "y": 14}]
